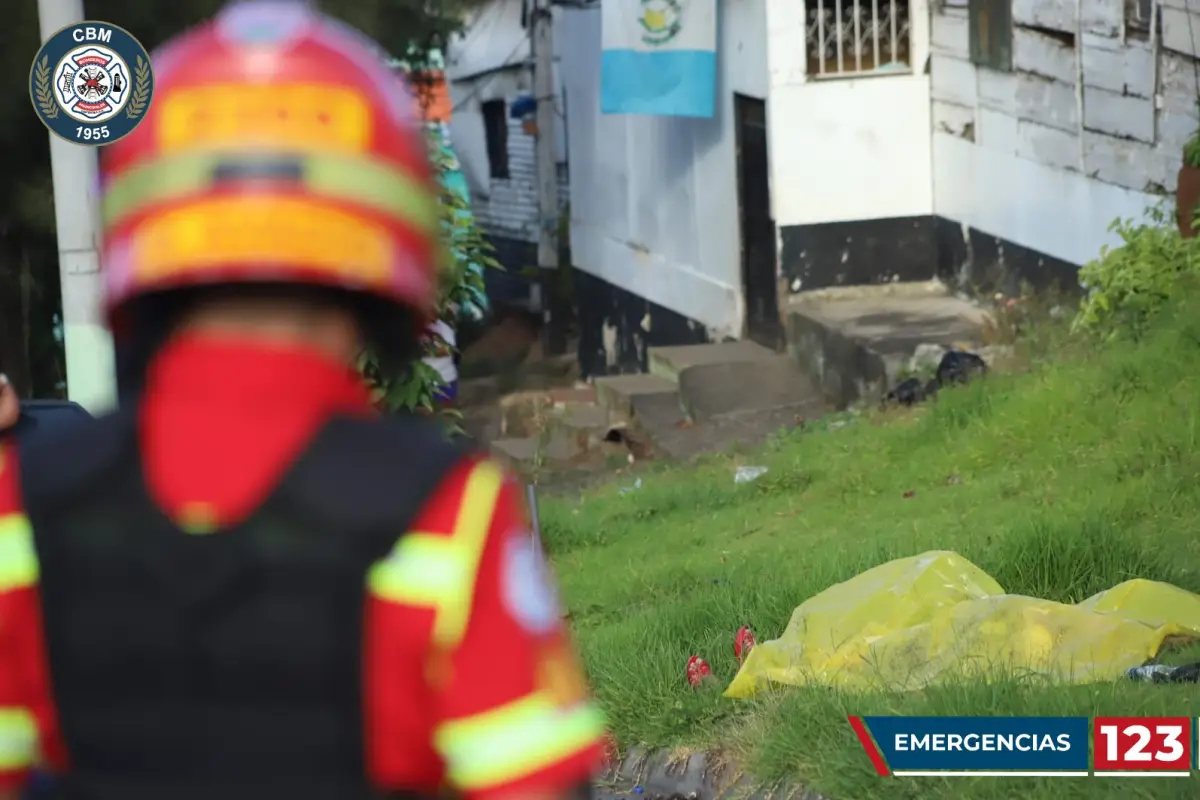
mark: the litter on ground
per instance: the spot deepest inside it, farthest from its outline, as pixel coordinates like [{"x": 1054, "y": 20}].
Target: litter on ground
[
  {"x": 1164, "y": 673},
  {"x": 937, "y": 617},
  {"x": 743, "y": 643},
  {"x": 633, "y": 487},
  {"x": 748, "y": 474}
]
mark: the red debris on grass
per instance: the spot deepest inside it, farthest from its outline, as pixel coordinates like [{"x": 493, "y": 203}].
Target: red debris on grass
[
  {"x": 612, "y": 752},
  {"x": 743, "y": 642},
  {"x": 697, "y": 670}
]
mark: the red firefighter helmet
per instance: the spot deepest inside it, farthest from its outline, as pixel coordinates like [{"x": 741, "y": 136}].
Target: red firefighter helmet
[{"x": 278, "y": 148}]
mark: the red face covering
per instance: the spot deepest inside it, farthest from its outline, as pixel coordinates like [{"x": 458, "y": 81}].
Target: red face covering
[{"x": 221, "y": 419}]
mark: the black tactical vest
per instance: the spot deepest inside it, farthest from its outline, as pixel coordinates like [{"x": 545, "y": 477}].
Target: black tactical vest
[{"x": 227, "y": 665}]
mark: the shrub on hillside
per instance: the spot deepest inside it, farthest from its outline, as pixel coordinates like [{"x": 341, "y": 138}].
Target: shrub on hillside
[{"x": 1128, "y": 285}]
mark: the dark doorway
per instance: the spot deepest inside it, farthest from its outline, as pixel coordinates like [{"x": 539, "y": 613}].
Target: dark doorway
[
  {"x": 758, "y": 229},
  {"x": 495, "y": 133}
]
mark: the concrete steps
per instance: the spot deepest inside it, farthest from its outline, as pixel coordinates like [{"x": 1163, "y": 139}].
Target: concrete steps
[
  {"x": 554, "y": 426},
  {"x": 671, "y": 362},
  {"x": 704, "y": 397},
  {"x": 627, "y": 395},
  {"x": 844, "y": 345}
]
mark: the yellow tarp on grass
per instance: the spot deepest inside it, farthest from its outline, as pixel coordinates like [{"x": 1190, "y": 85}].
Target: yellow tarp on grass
[{"x": 915, "y": 621}]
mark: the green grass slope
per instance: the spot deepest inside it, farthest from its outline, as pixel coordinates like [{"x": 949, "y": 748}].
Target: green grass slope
[{"x": 1059, "y": 482}]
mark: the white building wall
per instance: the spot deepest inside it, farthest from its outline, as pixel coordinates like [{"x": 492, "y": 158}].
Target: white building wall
[
  {"x": 847, "y": 148},
  {"x": 654, "y": 199},
  {"x": 508, "y": 206},
  {"x": 490, "y": 60},
  {"x": 1087, "y": 127},
  {"x": 492, "y": 37},
  {"x": 466, "y": 120}
]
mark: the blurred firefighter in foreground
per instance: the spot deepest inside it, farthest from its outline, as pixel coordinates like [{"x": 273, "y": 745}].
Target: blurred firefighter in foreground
[
  {"x": 10, "y": 404},
  {"x": 211, "y": 593}
]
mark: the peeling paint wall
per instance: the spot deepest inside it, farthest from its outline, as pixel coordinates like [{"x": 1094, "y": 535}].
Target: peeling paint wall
[{"x": 1088, "y": 126}]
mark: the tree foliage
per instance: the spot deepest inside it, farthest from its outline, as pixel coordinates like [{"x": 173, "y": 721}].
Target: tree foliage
[
  {"x": 29, "y": 288},
  {"x": 462, "y": 287}
]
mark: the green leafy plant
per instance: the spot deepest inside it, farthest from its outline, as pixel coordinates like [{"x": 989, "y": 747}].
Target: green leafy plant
[
  {"x": 462, "y": 286},
  {"x": 1128, "y": 285},
  {"x": 1191, "y": 151},
  {"x": 472, "y": 254}
]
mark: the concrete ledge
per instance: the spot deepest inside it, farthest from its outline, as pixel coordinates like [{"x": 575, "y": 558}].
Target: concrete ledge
[
  {"x": 854, "y": 341},
  {"x": 908, "y": 289},
  {"x": 845, "y": 369}
]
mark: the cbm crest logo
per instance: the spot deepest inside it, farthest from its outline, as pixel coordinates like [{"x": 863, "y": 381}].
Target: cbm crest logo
[{"x": 91, "y": 83}]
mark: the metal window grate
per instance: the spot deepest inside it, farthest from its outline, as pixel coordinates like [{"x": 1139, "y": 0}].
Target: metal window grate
[{"x": 856, "y": 37}]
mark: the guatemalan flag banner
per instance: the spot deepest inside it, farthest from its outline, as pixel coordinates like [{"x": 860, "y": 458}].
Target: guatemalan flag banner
[{"x": 658, "y": 57}]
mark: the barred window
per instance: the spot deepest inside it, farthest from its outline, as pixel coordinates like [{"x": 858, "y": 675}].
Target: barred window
[{"x": 856, "y": 37}]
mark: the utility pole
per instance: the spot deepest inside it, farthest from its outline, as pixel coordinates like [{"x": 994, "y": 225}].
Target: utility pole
[
  {"x": 91, "y": 376},
  {"x": 541, "y": 32}
]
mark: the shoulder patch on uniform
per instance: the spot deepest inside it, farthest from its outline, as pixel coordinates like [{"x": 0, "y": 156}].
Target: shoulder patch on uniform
[{"x": 526, "y": 585}]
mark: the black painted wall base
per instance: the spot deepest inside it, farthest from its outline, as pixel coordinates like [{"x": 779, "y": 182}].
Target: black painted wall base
[
  {"x": 854, "y": 253},
  {"x": 632, "y": 324},
  {"x": 863, "y": 252},
  {"x": 857, "y": 252},
  {"x": 978, "y": 262}
]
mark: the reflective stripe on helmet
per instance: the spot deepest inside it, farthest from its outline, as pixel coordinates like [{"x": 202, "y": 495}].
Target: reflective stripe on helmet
[
  {"x": 18, "y": 739},
  {"x": 515, "y": 740},
  {"x": 263, "y": 229},
  {"x": 288, "y": 116},
  {"x": 18, "y": 558},
  {"x": 370, "y": 183},
  {"x": 439, "y": 571}
]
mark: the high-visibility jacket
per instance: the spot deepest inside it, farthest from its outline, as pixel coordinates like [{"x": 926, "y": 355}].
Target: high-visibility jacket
[{"x": 170, "y": 636}]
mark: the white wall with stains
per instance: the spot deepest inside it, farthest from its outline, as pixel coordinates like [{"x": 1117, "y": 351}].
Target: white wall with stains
[
  {"x": 846, "y": 148},
  {"x": 490, "y": 60},
  {"x": 1089, "y": 125},
  {"x": 654, "y": 199},
  {"x": 503, "y": 206}
]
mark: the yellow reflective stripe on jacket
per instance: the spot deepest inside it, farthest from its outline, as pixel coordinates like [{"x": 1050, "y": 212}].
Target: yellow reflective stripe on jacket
[
  {"x": 422, "y": 570},
  {"x": 18, "y": 559},
  {"x": 18, "y": 739},
  {"x": 470, "y": 534},
  {"x": 519, "y": 739},
  {"x": 426, "y": 569}
]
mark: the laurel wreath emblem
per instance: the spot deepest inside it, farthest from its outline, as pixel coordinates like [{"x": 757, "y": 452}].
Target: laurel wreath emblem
[
  {"x": 141, "y": 91},
  {"x": 41, "y": 85}
]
